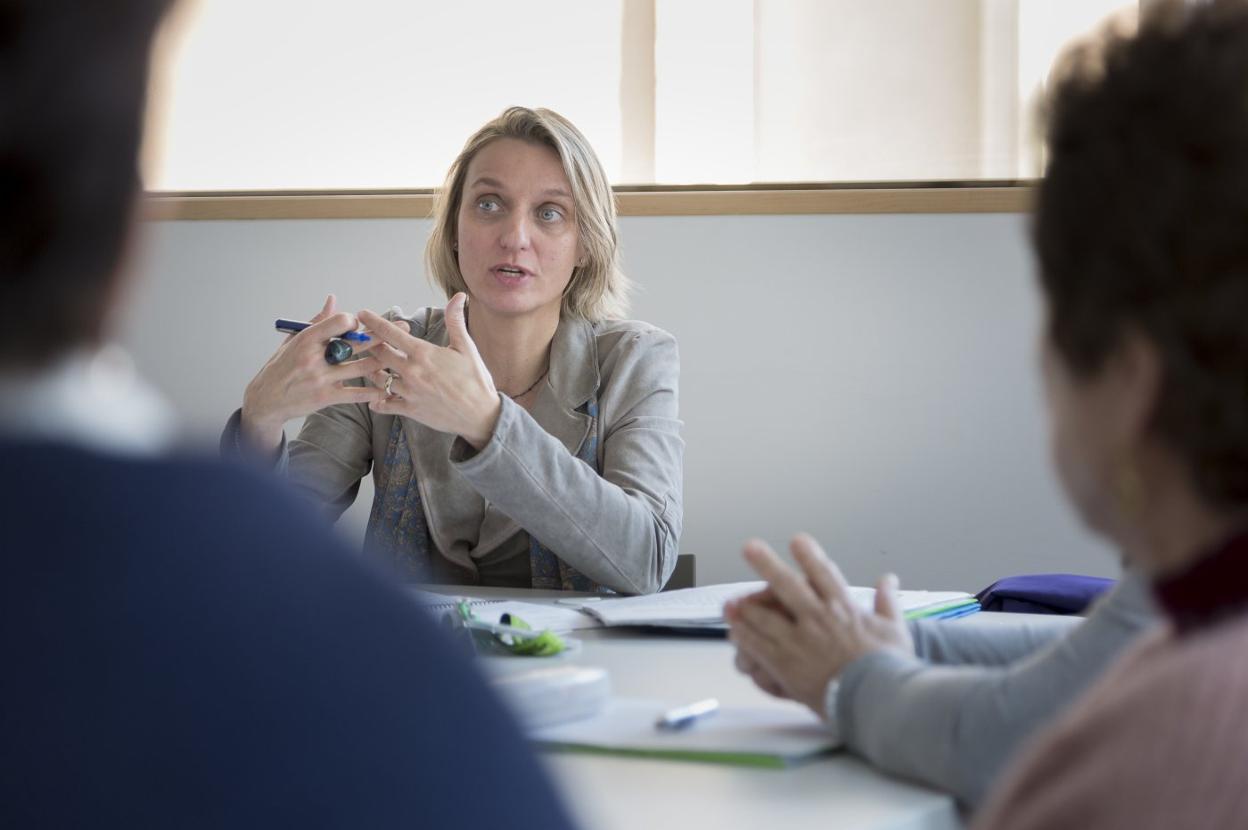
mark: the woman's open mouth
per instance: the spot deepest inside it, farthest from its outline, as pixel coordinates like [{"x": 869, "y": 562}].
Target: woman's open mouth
[{"x": 510, "y": 274}]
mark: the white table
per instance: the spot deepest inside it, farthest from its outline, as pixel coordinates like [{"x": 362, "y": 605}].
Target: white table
[{"x": 606, "y": 793}]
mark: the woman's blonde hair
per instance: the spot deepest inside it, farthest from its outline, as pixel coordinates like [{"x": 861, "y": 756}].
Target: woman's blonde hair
[{"x": 598, "y": 289}]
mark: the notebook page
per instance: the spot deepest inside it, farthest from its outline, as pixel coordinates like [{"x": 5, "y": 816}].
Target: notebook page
[{"x": 705, "y": 605}]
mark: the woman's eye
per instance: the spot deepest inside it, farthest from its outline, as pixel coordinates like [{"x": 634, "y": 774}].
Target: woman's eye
[
  {"x": 550, "y": 214},
  {"x": 488, "y": 205}
]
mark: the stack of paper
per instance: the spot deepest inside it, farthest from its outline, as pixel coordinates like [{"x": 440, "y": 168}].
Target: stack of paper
[
  {"x": 768, "y": 737},
  {"x": 703, "y": 608}
]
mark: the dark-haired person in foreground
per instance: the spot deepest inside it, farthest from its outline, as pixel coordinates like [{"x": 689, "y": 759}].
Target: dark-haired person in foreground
[
  {"x": 182, "y": 645},
  {"x": 1140, "y": 233}
]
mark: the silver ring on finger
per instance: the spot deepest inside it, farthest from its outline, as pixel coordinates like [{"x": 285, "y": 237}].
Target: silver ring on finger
[{"x": 390, "y": 383}]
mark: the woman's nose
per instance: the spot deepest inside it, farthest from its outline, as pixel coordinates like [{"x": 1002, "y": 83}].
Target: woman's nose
[{"x": 516, "y": 233}]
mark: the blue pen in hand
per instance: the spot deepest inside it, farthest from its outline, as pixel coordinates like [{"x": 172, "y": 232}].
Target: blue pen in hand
[
  {"x": 337, "y": 350},
  {"x": 294, "y": 327},
  {"x": 683, "y": 716}
]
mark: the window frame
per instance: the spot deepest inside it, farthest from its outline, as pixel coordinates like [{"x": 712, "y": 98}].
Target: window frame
[{"x": 632, "y": 200}]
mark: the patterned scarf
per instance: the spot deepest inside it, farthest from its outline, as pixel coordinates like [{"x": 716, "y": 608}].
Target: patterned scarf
[{"x": 397, "y": 526}]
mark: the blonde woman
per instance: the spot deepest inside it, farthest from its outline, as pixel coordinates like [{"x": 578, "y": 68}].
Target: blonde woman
[{"x": 525, "y": 436}]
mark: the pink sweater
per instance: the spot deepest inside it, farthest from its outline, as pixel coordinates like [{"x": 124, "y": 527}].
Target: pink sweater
[{"x": 1160, "y": 742}]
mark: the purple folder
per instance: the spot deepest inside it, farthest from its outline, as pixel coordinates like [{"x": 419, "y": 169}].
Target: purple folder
[{"x": 1043, "y": 593}]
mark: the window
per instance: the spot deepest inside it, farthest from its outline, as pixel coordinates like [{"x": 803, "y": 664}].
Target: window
[{"x": 381, "y": 94}]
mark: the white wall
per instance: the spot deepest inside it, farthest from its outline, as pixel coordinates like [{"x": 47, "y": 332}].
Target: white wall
[{"x": 868, "y": 378}]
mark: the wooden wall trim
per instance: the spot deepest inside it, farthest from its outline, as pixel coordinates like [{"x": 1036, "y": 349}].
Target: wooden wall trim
[{"x": 649, "y": 201}]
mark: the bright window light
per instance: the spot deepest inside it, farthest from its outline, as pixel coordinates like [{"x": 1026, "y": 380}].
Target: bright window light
[{"x": 381, "y": 94}]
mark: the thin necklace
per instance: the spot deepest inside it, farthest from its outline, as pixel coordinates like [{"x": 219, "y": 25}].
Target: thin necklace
[{"x": 531, "y": 388}]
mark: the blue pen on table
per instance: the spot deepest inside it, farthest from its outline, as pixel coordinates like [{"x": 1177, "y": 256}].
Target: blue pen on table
[
  {"x": 294, "y": 327},
  {"x": 683, "y": 716}
]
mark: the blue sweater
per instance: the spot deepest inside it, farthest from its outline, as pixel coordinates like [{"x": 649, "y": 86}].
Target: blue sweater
[{"x": 184, "y": 645}]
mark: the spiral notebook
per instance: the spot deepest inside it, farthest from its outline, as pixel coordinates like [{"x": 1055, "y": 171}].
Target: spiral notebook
[
  {"x": 540, "y": 617},
  {"x": 445, "y": 602}
]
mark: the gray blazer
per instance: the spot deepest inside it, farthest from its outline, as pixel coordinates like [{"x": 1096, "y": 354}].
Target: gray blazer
[{"x": 620, "y": 528}]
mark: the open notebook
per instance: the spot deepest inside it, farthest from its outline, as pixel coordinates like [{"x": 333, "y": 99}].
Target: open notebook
[{"x": 703, "y": 608}]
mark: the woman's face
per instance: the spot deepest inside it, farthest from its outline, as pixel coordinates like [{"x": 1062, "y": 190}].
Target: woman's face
[
  {"x": 1076, "y": 440},
  {"x": 517, "y": 232},
  {"x": 1098, "y": 425}
]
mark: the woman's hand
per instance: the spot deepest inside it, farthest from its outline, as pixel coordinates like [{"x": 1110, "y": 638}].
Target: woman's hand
[
  {"x": 296, "y": 380},
  {"x": 800, "y": 633},
  {"x": 747, "y": 664},
  {"x": 448, "y": 389}
]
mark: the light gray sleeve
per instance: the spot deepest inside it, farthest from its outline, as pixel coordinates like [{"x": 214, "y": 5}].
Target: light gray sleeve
[
  {"x": 622, "y": 528},
  {"x": 987, "y": 639},
  {"x": 955, "y": 727},
  {"x": 333, "y": 452},
  {"x": 325, "y": 463}
]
